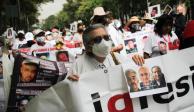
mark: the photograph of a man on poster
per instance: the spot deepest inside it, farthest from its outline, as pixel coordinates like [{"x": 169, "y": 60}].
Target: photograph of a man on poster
[
  {"x": 132, "y": 80},
  {"x": 62, "y": 56},
  {"x": 154, "y": 11},
  {"x": 131, "y": 46},
  {"x": 28, "y": 71}
]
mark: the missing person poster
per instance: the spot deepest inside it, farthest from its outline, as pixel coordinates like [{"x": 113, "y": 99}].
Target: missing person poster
[
  {"x": 31, "y": 76},
  {"x": 167, "y": 9},
  {"x": 134, "y": 43},
  {"x": 154, "y": 11}
]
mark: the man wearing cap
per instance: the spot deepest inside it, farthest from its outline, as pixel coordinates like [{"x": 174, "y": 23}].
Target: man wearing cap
[
  {"x": 40, "y": 41},
  {"x": 100, "y": 17}
]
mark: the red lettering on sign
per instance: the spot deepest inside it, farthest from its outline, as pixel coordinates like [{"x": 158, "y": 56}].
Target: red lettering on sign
[{"x": 127, "y": 101}]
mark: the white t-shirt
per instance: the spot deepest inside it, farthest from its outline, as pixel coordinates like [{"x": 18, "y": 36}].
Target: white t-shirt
[
  {"x": 17, "y": 43},
  {"x": 156, "y": 45}
]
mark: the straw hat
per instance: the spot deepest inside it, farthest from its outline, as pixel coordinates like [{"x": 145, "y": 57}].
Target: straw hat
[{"x": 133, "y": 19}]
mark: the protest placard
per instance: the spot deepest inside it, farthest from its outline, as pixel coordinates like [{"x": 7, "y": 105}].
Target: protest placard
[
  {"x": 154, "y": 11},
  {"x": 31, "y": 76},
  {"x": 134, "y": 43}
]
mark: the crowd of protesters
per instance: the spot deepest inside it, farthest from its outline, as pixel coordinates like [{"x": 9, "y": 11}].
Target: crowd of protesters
[{"x": 102, "y": 41}]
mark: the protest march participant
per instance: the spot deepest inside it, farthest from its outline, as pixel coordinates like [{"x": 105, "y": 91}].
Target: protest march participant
[
  {"x": 158, "y": 76},
  {"x": 19, "y": 41},
  {"x": 146, "y": 83},
  {"x": 30, "y": 39},
  {"x": 133, "y": 25},
  {"x": 188, "y": 35},
  {"x": 180, "y": 21},
  {"x": 162, "y": 34},
  {"x": 40, "y": 41},
  {"x": 132, "y": 80},
  {"x": 97, "y": 56},
  {"x": 78, "y": 35},
  {"x": 148, "y": 26},
  {"x": 100, "y": 17},
  {"x": 49, "y": 38}
]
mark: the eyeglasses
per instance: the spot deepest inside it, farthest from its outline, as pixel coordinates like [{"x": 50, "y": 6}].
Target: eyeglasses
[{"x": 98, "y": 39}]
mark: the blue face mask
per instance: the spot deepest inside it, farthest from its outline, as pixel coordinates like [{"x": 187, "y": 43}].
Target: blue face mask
[
  {"x": 136, "y": 26},
  {"x": 40, "y": 39}
]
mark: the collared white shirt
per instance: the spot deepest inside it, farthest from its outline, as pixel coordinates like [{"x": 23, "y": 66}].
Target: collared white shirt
[{"x": 86, "y": 63}]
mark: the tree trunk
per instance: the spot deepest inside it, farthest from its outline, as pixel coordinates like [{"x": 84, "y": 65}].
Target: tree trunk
[{"x": 192, "y": 9}]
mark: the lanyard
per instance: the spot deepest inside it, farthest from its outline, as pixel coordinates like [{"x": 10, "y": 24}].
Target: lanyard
[{"x": 166, "y": 40}]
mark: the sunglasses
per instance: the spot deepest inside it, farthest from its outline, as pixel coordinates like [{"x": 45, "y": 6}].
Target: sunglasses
[{"x": 98, "y": 39}]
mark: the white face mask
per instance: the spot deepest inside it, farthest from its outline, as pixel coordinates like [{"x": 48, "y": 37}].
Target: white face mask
[
  {"x": 102, "y": 49},
  {"x": 117, "y": 23}
]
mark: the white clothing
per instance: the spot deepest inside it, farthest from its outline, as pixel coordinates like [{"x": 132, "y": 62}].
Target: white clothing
[
  {"x": 51, "y": 42},
  {"x": 86, "y": 63},
  {"x": 36, "y": 46},
  {"x": 17, "y": 43},
  {"x": 116, "y": 36},
  {"x": 78, "y": 37},
  {"x": 152, "y": 45}
]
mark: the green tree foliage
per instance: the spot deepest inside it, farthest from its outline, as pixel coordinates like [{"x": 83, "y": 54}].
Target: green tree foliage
[
  {"x": 60, "y": 20},
  {"x": 83, "y": 9}
]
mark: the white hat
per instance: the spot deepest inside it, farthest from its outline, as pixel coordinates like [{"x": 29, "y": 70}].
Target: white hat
[
  {"x": 48, "y": 33},
  {"x": 37, "y": 31},
  {"x": 29, "y": 36},
  {"x": 98, "y": 11},
  {"x": 21, "y": 31}
]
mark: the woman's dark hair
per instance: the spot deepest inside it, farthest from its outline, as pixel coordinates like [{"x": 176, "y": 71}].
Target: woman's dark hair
[
  {"x": 20, "y": 35},
  {"x": 162, "y": 21},
  {"x": 100, "y": 20}
]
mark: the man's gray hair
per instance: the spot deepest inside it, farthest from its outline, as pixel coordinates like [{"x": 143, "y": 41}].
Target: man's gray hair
[
  {"x": 87, "y": 37},
  {"x": 128, "y": 71}
]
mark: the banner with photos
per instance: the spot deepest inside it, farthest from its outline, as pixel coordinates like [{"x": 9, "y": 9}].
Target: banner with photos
[
  {"x": 107, "y": 90},
  {"x": 31, "y": 76},
  {"x": 134, "y": 43}
]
